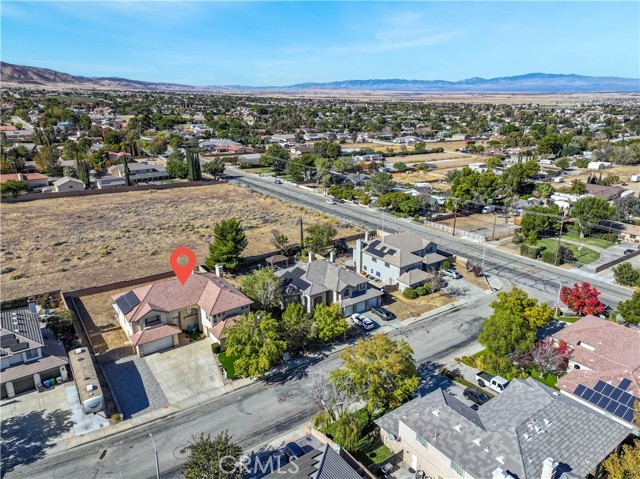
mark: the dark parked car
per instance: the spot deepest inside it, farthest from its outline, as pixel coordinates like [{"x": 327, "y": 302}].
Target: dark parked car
[
  {"x": 384, "y": 314},
  {"x": 293, "y": 451},
  {"x": 475, "y": 395},
  {"x": 629, "y": 251}
]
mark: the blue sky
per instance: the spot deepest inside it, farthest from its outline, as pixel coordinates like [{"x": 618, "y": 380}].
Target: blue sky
[{"x": 282, "y": 43}]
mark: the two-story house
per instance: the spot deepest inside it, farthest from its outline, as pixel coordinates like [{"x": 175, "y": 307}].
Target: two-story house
[
  {"x": 324, "y": 282},
  {"x": 527, "y": 432},
  {"x": 153, "y": 315},
  {"x": 401, "y": 258},
  {"x": 604, "y": 367},
  {"x": 140, "y": 172},
  {"x": 27, "y": 359}
]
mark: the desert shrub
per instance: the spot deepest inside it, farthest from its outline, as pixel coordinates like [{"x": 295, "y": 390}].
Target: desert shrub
[
  {"x": 410, "y": 293},
  {"x": 548, "y": 256},
  {"x": 421, "y": 291},
  {"x": 529, "y": 251}
]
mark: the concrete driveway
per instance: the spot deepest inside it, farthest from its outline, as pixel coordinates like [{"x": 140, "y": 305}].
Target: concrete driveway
[{"x": 186, "y": 371}]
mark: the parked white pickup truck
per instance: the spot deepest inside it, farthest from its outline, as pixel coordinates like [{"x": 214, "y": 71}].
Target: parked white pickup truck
[{"x": 497, "y": 383}]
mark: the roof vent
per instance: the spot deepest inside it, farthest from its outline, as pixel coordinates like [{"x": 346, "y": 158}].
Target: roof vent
[
  {"x": 458, "y": 427},
  {"x": 91, "y": 387},
  {"x": 500, "y": 459},
  {"x": 79, "y": 351},
  {"x": 436, "y": 412},
  {"x": 547, "y": 422},
  {"x": 538, "y": 429},
  {"x": 476, "y": 441}
]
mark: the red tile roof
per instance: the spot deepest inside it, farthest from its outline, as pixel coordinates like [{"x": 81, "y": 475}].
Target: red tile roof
[
  {"x": 609, "y": 350},
  {"x": 153, "y": 334},
  {"x": 214, "y": 295},
  {"x": 220, "y": 330},
  {"x": 7, "y": 128},
  {"x": 27, "y": 176}
]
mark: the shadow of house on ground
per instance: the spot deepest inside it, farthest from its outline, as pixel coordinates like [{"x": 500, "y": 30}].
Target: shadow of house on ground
[
  {"x": 134, "y": 386},
  {"x": 431, "y": 379},
  {"x": 26, "y": 438}
]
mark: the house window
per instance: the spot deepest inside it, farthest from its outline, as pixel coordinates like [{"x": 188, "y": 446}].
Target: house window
[
  {"x": 363, "y": 286},
  {"x": 364, "y": 268},
  {"x": 422, "y": 441},
  {"x": 457, "y": 469},
  {"x": 191, "y": 311},
  {"x": 386, "y": 265},
  {"x": 153, "y": 320},
  {"x": 378, "y": 273},
  {"x": 374, "y": 260},
  {"x": 347, "y": 292},
  {"x": 31, "y": 354}
]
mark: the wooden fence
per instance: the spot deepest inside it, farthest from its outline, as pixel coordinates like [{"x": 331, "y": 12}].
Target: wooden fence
[{"x": 616, "y": 261}]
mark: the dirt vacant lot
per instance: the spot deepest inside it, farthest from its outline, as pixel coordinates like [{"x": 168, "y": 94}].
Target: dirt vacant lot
[
  {"x": 412, "y": 308},
  {"x": 74, "y": 243},
  {"x": 483, "y": 225}
]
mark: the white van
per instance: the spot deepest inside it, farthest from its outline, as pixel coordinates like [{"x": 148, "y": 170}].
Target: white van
[{"x": 488, "y": 209}]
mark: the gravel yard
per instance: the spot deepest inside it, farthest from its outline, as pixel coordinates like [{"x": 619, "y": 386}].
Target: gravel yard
[{"x": 135, "y": 386}]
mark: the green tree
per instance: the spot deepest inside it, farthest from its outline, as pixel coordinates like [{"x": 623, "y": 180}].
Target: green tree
[
  {"x": 13, "y": 188},
  {"x": 541, "y": 219},
  {"x": 626, "y": 463},
  {"x": 177, "y": 169},
  {"x": 228, "y": 244},
  {"x": 326, "y": 149},
  {"x": 379, "y": 371},
  {"x": 318, "y": 236},
  {"x": 276, "y": 156},
  {"x": 594, "y": 210},
  {"x": 127, "y": 172},
  {"x": 255, "y": 342},
  {"x": 627, "y": 207},
  {"x": 380, "y": 183},
  {"x": 329, "y": 321},
  {"x": 563, "y": 163},
  {"x": 516, "y": 177},
  {"x": 630, "y": 309},
  {"x": 214, "y": 167},
  {"x": 626, "y": 274},
  {"x": 545, "y": 190},
  {"x": 47, "y": 160},
  {"x": 215, "y": 458},
  {"x": 494, "y": 162},
  {"x": 298, "y": 327},
  {"x": 550, "y": 145},
  {"x": 264, "y": 288},
  {"x": 577, "y": 187},
  {"x": 158, "y": 145}
]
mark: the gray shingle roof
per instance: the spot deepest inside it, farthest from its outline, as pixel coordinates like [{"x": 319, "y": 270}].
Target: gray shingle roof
[
  {"x": 400, "y": 249},
  {"x": 319, "y": 276},
  {"x": 515, "y": 431},
  {"x": 317, "y": 464}
]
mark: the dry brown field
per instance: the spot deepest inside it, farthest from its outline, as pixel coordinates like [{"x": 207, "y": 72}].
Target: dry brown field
[
  {"x": 410, "y": 308},
  {"x": 623, "y": 171},
  {"x": 79, "y": 242}
]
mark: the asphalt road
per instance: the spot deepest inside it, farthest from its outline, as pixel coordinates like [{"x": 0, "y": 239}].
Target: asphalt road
[
  {"x": 520, "y": 271},
  {"x": 253, "y": 415}
]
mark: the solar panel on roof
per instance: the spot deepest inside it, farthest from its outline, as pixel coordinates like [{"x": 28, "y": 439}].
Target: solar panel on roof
[
  {"x": 604, "y": 402},
  {"x": 599, "y": 386},
  {"x": 608, "y": 389},
  {"x": 595, "y": 399},
  {"x": 588, "y": 393},
  {"x": 628, "y": 416},
  {"x": 612, "y": 406},
  {"x": 620, "y": 411},
  {"x": 579, "y": 390},
  {"x": 615, "y": 394},
  {"x": 624, "y": 398},
  {"x": 127, "y": 302},
  {"x": 7, "y": 340},
  {"x": 625, "y": 383},
  {"x": 18, "y": 346}
]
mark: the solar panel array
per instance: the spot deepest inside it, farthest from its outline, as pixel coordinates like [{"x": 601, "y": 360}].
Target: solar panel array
[
  {"x": 127, "y": 302},
  {"x": 614, "y": 400},
  {"x": 6, "y": 340}
]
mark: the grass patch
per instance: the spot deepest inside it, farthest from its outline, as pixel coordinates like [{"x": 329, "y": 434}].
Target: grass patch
[
  {"x": 550, "y": 379},
  {"x": 599, "y": 242},
  {"x": 569, "y": 319},
  {"x": 227, "y": 364},
  {"x": 375, "y": 454},
  {"x": 583, "y": 256},
  {"x": 264, "y": 169}
]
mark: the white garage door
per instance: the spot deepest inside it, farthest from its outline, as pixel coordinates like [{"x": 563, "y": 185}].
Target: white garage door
[
  {"x": 158, "y": 345},
  {"x": 360, "y": 307},
  {"x": 348, "y": 310},
  {"x": 373, "y": 302}
]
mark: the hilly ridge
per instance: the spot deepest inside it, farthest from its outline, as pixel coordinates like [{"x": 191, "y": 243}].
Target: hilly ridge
[{"x": 528, "y": 83}]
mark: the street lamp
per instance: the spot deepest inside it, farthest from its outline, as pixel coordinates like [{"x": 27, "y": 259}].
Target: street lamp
[{"x": 155, "y": 452}]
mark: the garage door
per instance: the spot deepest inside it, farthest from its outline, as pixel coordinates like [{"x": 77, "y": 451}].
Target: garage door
[
  {"x": 373, "y": 302},
  {"x": 360, "y": 307},
  {"x": 158, "y": 345},
  {"x": 348, "y": 310}
]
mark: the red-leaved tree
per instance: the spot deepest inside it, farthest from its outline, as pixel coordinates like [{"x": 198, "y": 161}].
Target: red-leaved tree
[
  {"x": 550, "y": 358},
  {"x": 582, "y": 299}
]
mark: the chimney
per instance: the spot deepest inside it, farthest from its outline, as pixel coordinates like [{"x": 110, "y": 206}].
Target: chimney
[
  {"x": 21, "y": 177},
  {"x": 32, "y": 306},
  {"x": 366, "y": 236},
  {"x": 219, "y": 270},
  {"x": 549, "y": 468},
  {"x": 332, "y": 257},
  {"x": 312, "y": 256}
]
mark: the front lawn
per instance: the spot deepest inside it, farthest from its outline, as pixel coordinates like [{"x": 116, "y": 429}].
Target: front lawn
[
  {"x": 227, "y": 364},
  {"x": 584, "y": 255},
  {"x": 550, "y": 379},
  {"x": 599, "y": 242}
]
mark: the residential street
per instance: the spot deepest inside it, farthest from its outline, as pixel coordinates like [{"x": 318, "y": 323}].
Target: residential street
[{"x": 253, "y": 414}]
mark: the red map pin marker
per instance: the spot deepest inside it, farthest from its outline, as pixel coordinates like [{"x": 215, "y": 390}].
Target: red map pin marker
[{"x": 182, "y": 271}]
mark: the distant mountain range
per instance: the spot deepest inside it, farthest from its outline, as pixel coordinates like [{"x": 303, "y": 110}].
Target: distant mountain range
[{"x": 530, "y": 83}]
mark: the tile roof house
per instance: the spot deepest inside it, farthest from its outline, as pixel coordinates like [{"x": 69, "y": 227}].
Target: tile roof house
[
  {"x": 154, "y": 314},
  {"x": 27, "y": 359},
  {"x": 527, "y": 432},
  {"x": 34, "y": 180},
  {"x": 401, "y": 258},
  {"x": 322, "y": 463},
  {"x": 602, "y": 351},
  {"x": 323, "y": 282}
]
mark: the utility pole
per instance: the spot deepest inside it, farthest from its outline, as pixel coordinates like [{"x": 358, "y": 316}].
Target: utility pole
[
  {"x": 155, "y": 452},
  {"x": 301, "y": 234},
  {"x": 495, "y": 220},
  {"x": 455, "y": 217}
]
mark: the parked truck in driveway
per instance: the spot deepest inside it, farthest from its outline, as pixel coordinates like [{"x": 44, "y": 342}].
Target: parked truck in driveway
[{"x": 497, "y": 383}]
